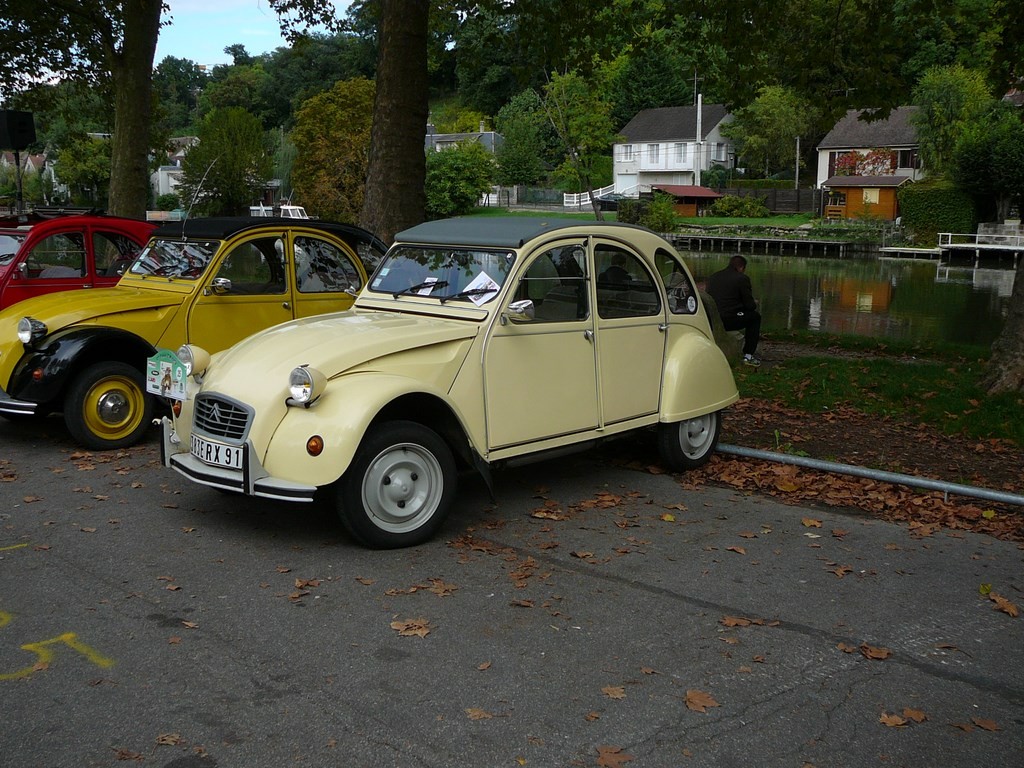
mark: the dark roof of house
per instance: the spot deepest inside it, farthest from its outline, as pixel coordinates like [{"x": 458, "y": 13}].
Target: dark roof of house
[
  {"x": 866, "y": 181},
  {"x": 851, "y": 132},
  {"x": 667, "y": 123},
  {"x": 684, "y": 191}
]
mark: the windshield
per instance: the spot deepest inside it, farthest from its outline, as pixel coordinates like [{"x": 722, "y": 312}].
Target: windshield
[
  {"x": 446, "y": 274},
  {"x": 9, "y": 245},
  {"x": 174, "y": 258}
]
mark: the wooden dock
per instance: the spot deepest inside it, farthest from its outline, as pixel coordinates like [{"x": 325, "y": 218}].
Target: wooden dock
[
  {"x": 766, "y": 245},
  {"x": 988, "y": 244}
]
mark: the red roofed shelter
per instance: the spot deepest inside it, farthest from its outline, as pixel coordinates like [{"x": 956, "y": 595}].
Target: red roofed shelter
[{"x": 690, "y": 200}]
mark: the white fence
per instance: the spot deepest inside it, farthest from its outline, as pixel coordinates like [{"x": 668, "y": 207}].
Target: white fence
[{"x": 584, "y": 198}]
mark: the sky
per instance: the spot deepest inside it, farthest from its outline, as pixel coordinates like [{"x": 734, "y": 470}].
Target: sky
[{"x": 200, "y": 30}]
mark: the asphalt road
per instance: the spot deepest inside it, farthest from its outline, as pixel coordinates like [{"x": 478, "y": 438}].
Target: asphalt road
[{"x": 582, "y": 618}]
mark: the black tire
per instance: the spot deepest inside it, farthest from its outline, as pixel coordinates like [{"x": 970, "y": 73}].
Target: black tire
[
  {"x": 399, "y": 487},
  {"x": 108, "y": 407},
  {"x": 688, "y": 444}
]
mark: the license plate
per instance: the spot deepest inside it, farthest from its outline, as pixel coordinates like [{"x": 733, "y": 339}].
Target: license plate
[{"x": 217, "y": 454}]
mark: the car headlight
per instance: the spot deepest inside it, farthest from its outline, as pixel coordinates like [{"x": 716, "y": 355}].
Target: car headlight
[
  {"x": 30, "y": 329},
  {"x": 196, "y": 359},
  {"x": 306, "y": 385}
]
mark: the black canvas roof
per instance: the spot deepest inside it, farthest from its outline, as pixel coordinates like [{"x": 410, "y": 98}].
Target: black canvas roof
[{"x": 220, "y": 228}]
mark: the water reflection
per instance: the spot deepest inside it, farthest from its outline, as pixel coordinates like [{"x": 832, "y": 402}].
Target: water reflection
[{"x": 913, "y": 300}]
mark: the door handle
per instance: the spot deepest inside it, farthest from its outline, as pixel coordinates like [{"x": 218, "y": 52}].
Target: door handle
[
  {"x": 588, "y": 335},
  {"x": 286, "y": 305}
]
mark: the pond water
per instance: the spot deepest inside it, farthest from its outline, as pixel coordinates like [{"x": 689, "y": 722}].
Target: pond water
[{"x": 914, "y": 300}]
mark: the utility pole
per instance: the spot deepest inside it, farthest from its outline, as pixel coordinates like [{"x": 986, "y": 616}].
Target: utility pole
[
  {"x": 796, "y": 176},
  {"x": 697, "y": 153}
]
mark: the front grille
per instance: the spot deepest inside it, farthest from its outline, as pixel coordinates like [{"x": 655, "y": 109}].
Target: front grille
[{"x": 218, "y": 417}]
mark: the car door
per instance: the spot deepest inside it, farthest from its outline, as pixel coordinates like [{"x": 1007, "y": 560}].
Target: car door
[
  {"x": 630, "y": 322},
  {"x": 55, "y": 262},
  {"x": 326, "y": 275},
  {"x": 247, "y": 290},
  {"x": 540, "y": 375},
  {"x": 110, "y": 254}
]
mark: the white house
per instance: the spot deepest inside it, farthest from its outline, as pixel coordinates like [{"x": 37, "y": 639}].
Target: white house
[
  {"x": 166, "y": 178},
  {"x": 671, "y": 146},
  {"x": 853, "y": 141},
  {"x": 489, "y": 140}
]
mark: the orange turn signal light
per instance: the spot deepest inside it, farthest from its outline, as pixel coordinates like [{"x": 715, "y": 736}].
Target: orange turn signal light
[
  {"x": 315, "y": 445},
  {"x": 176, "y": 408}
]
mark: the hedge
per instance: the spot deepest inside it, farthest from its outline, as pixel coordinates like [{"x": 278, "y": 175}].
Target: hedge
[{"x": 934, "y": 206}]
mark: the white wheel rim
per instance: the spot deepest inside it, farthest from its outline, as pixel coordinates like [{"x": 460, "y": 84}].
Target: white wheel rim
[
  {"x": 402, "y": 488},
  {"x": 696, "y": 435}
]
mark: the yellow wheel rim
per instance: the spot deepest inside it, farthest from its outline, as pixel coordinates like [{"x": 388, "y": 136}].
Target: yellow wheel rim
[{"x": 113, "y": 407}]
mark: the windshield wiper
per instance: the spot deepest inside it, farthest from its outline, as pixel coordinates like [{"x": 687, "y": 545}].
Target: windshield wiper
[
  {"x": 468, "y": 292},
  {"x": 419, "y": 286}
]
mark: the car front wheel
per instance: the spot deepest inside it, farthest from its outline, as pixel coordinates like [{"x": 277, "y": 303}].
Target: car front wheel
[
  {"x": 399, "y": 486},
  {"x": 108, "y": 407},
  {"x": 689, "y": 444}
]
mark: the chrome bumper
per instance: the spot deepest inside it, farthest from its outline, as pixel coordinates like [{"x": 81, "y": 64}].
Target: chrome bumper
[
  {"x": 252, "y": 479},
  {"x": 9, "y": 405}
]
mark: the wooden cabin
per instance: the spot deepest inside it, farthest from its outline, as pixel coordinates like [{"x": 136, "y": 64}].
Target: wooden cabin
[{"x": 862, "y": 197}]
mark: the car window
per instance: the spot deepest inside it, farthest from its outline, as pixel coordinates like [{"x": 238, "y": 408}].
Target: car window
[
  {"x": 682, "y": 298},
  {"x": 9, "y": 245},
  {"x": 624, "y": 286},
  {"x": 112, "y": 252},
  {"x": 447, "y": 274},
  {"x": 255, "y": 267},
  {"x": 175, "y": 258},
  {"x": 556, "y": 282},
  {"x": 58, "y": 256},
  {"x": 323, "y": 267}
]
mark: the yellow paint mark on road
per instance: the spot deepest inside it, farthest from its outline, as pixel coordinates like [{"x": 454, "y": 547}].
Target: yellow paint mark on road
[
  {"x": 45, "y": 652},
  {"x": 13, "y": 546}
]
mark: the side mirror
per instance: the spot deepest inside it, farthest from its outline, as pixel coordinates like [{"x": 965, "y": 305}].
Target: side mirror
[
  {"x": 220, "y": 286},
  {"x": 521, "y": 311}
]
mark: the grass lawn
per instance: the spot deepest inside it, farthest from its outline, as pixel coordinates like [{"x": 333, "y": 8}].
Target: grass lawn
[{"x": 789, "y": 220}]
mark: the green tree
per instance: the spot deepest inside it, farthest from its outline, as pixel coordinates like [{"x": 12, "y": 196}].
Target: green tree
[
  {"x": 177, "y": 84},
  {"x": 226, "y": 170},
  {"x": 332, "y": 141},
  {"x": 456, "y": 178},
  {"x": 582, "y": 120},
  {"x": 103, "y": 42},
  {"x": 83, "y": 164},
  {"x": 988, "y": 161},
  {"x": 766, "y": 130},
  {"x": 521, "y": 124},
  {"x": 948, "y": 99}
]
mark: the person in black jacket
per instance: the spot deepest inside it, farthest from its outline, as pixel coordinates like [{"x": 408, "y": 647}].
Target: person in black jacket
[{"x": 732, "y": 292}]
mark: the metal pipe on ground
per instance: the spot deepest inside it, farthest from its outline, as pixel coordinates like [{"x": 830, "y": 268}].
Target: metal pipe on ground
[{"x": 875, "y": 474}]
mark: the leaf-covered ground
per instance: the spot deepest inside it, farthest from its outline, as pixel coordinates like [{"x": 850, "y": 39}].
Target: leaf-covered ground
[{"x": 849, "y": 436}]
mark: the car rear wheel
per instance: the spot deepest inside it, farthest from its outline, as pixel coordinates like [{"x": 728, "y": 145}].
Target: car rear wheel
[
  {"x": 689, "y": 444},
  {"x": 399, "y": 486},
  {"x": 108, "y": 407}
]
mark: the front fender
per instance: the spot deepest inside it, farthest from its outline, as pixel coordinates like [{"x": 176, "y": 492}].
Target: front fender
[
  {"x": 42, "y": 374},
  {"x": 697, "y": 377},
  {"x": 341, "y": 417}
]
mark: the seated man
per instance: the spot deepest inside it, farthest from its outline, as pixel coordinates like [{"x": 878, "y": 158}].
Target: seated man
[{"x": 732, "y": 292}]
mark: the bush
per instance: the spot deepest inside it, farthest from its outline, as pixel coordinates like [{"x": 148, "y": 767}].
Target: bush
[
  {"x": 456, "y": 178},
  {"x": 168, "y": 202},
  {"x": 631, "y": 211},
  {"x": 734, "y": 206},
  {"x": 660, "y": 214},
  {"x": 930, "y": 207}
]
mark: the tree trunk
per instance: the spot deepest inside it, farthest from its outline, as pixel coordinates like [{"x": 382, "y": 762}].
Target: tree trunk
[
  {"x": 1006, "y": 366},
  {"x": 131, "y": 71},
  {"x": 397, "y": 169}
]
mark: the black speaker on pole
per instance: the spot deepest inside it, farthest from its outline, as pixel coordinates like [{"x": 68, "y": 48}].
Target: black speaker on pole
[{"x": 17, "y": 130}]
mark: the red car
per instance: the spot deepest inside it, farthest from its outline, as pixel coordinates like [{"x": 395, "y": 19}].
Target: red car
[{"x": 40, "y": 254}]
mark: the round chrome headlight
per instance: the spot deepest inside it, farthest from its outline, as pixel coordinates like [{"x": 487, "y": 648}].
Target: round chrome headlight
[
  {"x": 30, "y": 329},
  {"x": 306, "y": 384},
  {"x": 196, "y": 359}
]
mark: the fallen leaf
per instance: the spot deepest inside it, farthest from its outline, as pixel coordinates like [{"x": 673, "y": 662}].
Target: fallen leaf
[
  {"x": 592, "y": 716},
  {"x": 412, "y": 627},
  {"x": 915, "y": 714},
  {"x": 668, "y": 517},
  {"x": 893, "y": 721},
  {"x": 871, "y": 652},
  {"x": 699, "y": 701},
  {"x": 845, "y": 648},
  {"x": 737, "y": 550},
  {"x": 841, "y": 571},
  {"x": 735, "y": 621},
  {"x": 614, "y": 691},
  {"x": 612, "y": 757},
  {"x": 190, "y": 624},
  {"x": 478, "y": 714},
  {"x": 32, "y": 499},
  {"x": 169, "y": 739},
  {"x": 484, "y": 666},
  {"x": 365, "y": 581},
  {"x": 809, "y": 522},
  {"x": 1004, "y": 605},
  {"x": 986, "y": 725}
]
